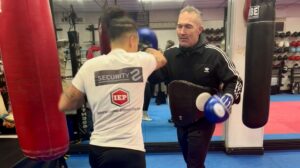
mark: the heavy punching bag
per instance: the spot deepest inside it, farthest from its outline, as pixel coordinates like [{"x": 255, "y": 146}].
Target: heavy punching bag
[
  {"x": 103, "y": 33},
  {"x": 259, "y": 52},
  {"x": 104, "y": 39},
  {"x": 30, "y": 59}
]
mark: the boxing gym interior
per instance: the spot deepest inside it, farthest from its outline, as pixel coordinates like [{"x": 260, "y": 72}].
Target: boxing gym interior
[{"x": 262, "y": 131}]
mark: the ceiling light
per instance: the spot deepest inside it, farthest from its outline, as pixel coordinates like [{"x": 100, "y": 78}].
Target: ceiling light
[{"x": 161, "y": 0}]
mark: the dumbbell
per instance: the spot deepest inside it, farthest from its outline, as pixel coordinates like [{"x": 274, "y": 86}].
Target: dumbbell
[
  {"x": 276, "y": 34},
  {"x": 206, "y": 31},
  {"x": 218, "y": 38},
  {"x": 286, "y": 49},
  {"x": 284, "y": 69},
  {"x": 281, "y": 50},
  {"x": 222, "y": 29},
  {"x": 280, "y": 43},
  {"x": 217, "y": 31},
  {"x": 294, "y": 34},
  {"x": 209, "y": 38},
  {"x": 293, "y": 44},
  {"x": 282, "y": 35},
  {"x": 291, "y": 58},
  {"x": 286, "y": 44},
  {"x": 297, "y": 45}
]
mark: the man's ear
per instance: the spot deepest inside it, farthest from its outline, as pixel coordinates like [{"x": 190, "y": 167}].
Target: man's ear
[
  {"x": 200, "y": 29},
  {"x": 133, "y": 41}
]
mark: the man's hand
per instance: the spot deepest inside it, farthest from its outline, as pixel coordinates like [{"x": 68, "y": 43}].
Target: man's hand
[{"x": 8, "y": 120}]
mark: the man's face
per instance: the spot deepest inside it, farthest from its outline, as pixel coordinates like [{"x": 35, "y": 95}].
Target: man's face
[{"x": 188, "y": 29}]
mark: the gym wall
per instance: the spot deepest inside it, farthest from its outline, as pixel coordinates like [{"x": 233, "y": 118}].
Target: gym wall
[
  {"x": 84, "y": 35},
  {"x": 164, "y": 23},
  {"x": 292, "y": 24},
  {"x": 290, "y": 16}
]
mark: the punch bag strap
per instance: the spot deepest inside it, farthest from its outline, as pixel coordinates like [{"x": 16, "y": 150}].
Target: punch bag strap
[
  {"x": 104, "y": 38},
  {"x": 259, "y": 53},
  {"x": 74, "y": 51}
]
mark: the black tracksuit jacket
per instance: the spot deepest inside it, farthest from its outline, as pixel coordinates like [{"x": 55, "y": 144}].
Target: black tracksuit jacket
[{"x": 203, "y": 64}]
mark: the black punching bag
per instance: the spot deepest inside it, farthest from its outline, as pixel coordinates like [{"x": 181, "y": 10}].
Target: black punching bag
[{"x": 259, "y": 52}]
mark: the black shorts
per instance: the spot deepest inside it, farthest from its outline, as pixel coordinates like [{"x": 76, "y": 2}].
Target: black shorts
[{"x": 107, "y": 157}]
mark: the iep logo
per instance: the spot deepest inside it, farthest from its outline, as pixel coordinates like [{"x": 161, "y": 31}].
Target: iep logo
[
  {"x": 119, "y": 97},
  {"x": 254, "y": 12}
]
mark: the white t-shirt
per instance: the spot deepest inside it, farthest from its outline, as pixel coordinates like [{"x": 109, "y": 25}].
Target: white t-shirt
[{"x": 115, "y": 85}]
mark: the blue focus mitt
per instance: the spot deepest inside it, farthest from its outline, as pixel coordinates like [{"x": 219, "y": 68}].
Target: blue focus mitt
[
  {"x": 147, "y": 39},
  {"x": 216, "y": 109}
]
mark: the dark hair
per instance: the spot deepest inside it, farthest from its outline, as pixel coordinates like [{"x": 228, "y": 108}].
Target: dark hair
[{"x": 117, "y": 22}]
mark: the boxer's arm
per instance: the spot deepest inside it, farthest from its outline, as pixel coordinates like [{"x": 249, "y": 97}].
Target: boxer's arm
[
  {"x": 160, "y": 75},
  {"x": 159, "y": 57},
  {"x": 71, "y": 99}
]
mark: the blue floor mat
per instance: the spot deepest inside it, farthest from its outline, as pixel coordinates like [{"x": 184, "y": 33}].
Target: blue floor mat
[
  {"x": 160, "y": 130},
  {"x": 270, "y": 159},
  {"x": 285, "y": 97}
]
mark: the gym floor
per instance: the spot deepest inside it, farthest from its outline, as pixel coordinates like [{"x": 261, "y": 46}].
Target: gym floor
[
  {"x": 271, "y": 159},
  {"x": 284, "y": 118},
  {"x": 283, "y": 124},
  {"x": 284, "y": 108}
]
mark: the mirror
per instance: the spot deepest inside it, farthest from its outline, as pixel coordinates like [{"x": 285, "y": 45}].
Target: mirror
[{"x": 162, "y": 19}]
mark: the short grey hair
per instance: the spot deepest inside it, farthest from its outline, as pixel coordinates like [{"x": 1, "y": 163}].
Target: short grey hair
[{"x": 192, "y": 9}]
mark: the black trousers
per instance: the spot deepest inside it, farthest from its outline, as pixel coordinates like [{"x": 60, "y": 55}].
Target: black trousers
[
  {"x": 147, "y": 97},
  {"x": 27, "y": 162},
  {"x": 106, "y": 157},
  {"x": 194, "y": 141}
]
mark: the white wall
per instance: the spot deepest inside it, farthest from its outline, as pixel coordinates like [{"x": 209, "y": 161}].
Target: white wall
[
  {"x": 292, "y": 23},
  {"x": 165, "y": 35},
  {"x": 290, "y": 15},
  {"x": 288, "y": 11},
  {"x": 163, "y": 16}
]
